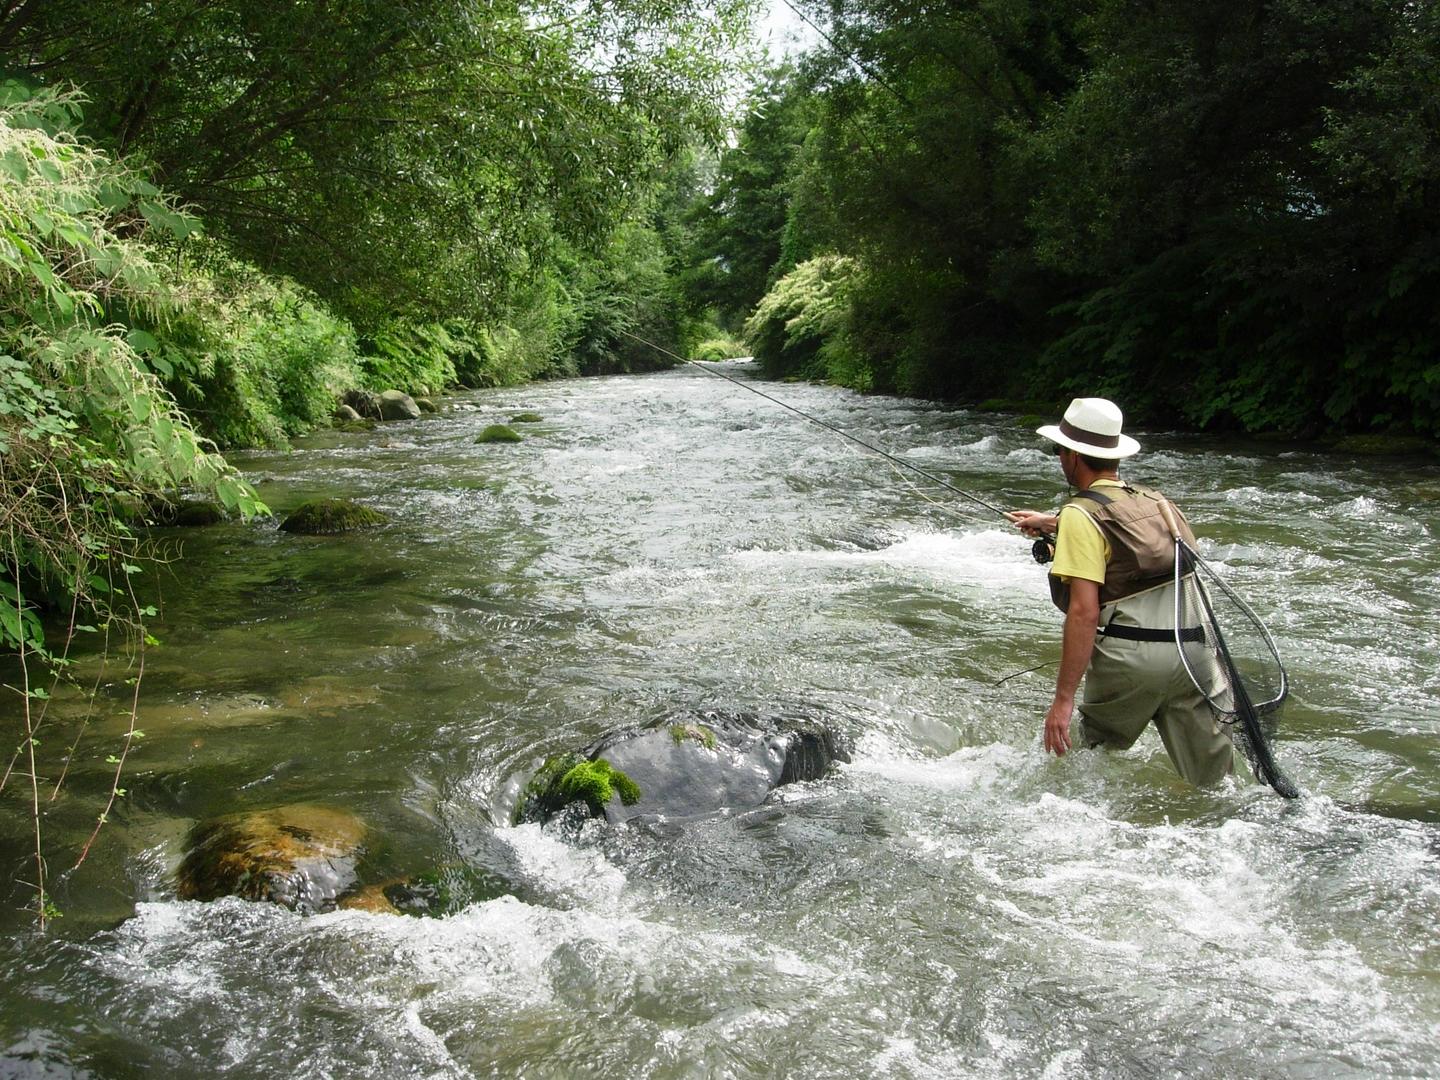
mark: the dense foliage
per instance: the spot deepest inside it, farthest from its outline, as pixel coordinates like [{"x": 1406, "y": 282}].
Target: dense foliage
[
  {"x": 424, "y": 154},
  {"x": 1224, "y": 217},
  {"x": 87, "y": 430}
]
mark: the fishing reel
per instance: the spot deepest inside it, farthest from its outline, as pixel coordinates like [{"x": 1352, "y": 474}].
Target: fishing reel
[{"x": 1043, "y": 550}]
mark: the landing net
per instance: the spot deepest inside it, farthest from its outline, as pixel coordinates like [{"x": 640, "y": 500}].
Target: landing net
[{"x": 1238, "y": 670}]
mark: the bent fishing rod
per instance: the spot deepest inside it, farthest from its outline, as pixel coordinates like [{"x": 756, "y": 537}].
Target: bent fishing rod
[{"x": 893, "y": 459}]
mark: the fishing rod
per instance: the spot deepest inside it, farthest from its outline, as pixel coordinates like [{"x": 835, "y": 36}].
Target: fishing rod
[{"x": 901, "y": 462}]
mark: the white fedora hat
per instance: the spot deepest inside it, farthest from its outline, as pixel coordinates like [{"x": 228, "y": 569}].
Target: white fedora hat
[{"x": 1091, "y": 426}]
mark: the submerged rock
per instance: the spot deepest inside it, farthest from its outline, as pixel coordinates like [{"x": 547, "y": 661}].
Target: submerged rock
[
  {"x": 526, "y": 418},
  {"x": 196, "y": 514},
  {"x": 325, "y": 516},
  {"x": 398, "y": 405},
  {"x": 498, "y": 433},
  {"x": 353, "y": 425},
  {"x": 701, "y": 764},
  {"x": 184, "y": 513},
  {"x": 302, "y": 857}
]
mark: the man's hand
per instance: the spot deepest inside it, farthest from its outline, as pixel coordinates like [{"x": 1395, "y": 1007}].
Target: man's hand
[
  {"x": 1033, "y": 522},
  {"x": 1057, "y": 726},
  {"x": 1076, "y": 645}
]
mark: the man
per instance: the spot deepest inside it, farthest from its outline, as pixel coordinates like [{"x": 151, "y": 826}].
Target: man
[{"x": 1113, "y": 576}]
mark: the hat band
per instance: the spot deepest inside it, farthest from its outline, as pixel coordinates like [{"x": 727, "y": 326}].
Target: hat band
[{"x": 1108, "y": 442}]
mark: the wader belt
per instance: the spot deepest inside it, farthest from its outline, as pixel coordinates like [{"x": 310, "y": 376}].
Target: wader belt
[{"x": 1145, "y": 633}]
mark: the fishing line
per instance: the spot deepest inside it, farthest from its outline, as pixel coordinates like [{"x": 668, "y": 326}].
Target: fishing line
[
  {"x": 1026, "y": 671},
  {"x": 896, "y": 461}
]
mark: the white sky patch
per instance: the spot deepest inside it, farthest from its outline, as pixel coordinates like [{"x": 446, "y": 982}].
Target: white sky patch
[{"x": 783, "y": 32}]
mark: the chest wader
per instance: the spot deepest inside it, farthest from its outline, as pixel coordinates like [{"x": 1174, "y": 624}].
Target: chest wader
[{"x": 1136, "y": 676}]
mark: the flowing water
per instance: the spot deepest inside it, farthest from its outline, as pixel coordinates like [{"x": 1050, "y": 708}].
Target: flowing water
[{"x": 952, "y": 903}]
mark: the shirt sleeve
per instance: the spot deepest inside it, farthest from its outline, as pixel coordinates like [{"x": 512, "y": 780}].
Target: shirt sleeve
[{"x": 1080, "y": 547}]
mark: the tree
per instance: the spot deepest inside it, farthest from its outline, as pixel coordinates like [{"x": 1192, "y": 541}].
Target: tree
[
  {"x": 392, "y": 154},
  {"x": 738, "y": 235}
]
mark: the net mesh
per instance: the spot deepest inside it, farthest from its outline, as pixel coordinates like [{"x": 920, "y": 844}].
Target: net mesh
[{"x": 1233, "y": 661}]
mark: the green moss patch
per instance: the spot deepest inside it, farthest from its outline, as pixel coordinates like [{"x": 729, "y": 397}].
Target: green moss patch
[
  {"x": 497, "y": 433},
  {"x": 526, "y": 418},
  {"x": 325, "y": 516},
  {"x": 698, "y": 732},
  {"x": 570, "y": 778},
  {"x": 595, "y": 783}
]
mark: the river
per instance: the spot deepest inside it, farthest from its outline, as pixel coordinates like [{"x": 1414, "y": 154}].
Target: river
[{"x": 952, "y": 903}]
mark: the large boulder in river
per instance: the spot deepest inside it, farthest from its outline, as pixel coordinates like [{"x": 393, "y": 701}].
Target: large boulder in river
[
  {"x": 398, "y": 405},
  {"x": 302, "y": 857},
  {"x": 684, "y": 767}
]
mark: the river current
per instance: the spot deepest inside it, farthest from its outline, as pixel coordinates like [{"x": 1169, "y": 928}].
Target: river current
[{"x": 952, "y": 903}]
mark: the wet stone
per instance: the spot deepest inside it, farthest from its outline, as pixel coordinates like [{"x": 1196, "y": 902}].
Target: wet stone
[
  {"x": 398, "y": 405},
  {"x": 325, "y": 516},
  {"x": 302, "y": 857},
  {"x": 685, "y": 767},
  {"x": 498, "y": 433}
]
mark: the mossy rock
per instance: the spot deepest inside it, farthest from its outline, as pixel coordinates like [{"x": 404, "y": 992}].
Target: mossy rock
[
  {"x": 426, "y": 405},
  {"x": 686, "y": 767},
  {"x": 353, "y": 425},
  {"x": 1384, "y": 445},
  {"x": 326, "y": 516},
  {"x": 498, "y": 433},
  {"x": 570, "y": 778},
  {"x": 302, "y": 857},
  {"x": 595, "y": 783},
  {"x": 526, "y": 418},
  {"x": 198, "y": 514},
  {"x": 372, "y": 898},
  {"x": 183, "y": 513}
]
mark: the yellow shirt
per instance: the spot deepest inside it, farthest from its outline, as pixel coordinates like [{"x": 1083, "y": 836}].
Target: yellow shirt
[{"x": 1081, "y": 550}]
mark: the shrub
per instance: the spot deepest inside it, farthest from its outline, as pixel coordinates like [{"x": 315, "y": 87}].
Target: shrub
[
  {"x": 723, "y": 347},
  {"x": 801, "y": 327}
]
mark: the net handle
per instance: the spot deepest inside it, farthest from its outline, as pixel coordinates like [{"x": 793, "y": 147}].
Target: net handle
[{"x": 1168, "y": 514}]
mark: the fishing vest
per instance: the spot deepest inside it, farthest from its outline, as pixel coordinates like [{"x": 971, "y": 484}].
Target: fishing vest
[{"x": 1142, "y": 548}]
